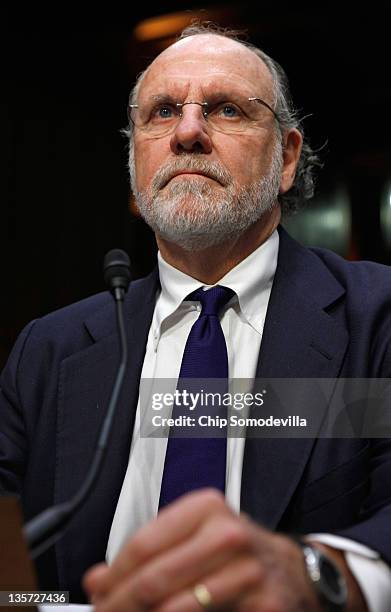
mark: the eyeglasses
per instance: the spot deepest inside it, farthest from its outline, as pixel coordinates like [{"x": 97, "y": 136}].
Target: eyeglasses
[{"x": 159, "y": 117}]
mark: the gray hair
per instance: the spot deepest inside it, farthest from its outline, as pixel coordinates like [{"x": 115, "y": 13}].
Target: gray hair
[{"x": 288, "y": 116}]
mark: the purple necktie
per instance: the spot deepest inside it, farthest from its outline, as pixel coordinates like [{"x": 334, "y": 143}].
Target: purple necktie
[{"x": 195, "y": 462}]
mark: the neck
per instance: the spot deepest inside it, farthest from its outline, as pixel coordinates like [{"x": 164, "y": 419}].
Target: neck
[{"x": 211, "y": 264}]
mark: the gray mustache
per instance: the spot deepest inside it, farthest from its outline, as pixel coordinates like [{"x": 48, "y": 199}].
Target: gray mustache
[{"x": 213, "y": 170}]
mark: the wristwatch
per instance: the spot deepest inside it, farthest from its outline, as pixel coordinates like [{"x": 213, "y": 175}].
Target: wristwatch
[{"x": 326, "y": 578}]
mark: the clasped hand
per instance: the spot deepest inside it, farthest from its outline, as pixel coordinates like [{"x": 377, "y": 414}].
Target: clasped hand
[{"x": 199, "y": 540}]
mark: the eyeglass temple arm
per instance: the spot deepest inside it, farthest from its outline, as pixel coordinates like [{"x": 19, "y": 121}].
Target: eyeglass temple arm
[{"x": 267, "y": 106}]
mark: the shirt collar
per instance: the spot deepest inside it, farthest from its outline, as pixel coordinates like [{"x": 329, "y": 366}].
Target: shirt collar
[{"x": 251, "y": 280}]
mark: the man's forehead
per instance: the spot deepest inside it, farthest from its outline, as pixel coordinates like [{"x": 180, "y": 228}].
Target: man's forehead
[
  {"x": 205, "y": 43},
  {"x": 207, "y": 58}
]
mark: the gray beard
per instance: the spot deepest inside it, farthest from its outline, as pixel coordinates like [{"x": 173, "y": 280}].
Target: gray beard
[{"x": 196, "y": 215}]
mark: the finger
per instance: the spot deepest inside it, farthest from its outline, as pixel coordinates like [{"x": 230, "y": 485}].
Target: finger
[
  {"x": 173, "y": 525},
  {"x": 93, "y": 578},
  {"x": 227, "y": 587},
  {"x": 215, "y": 544},
  {"x": 119, "y": 599}
]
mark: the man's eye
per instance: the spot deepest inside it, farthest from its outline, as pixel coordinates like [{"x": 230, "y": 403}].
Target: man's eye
[
  {"x": 164, "y": 111},
  {"x": 228, "y": 111}
]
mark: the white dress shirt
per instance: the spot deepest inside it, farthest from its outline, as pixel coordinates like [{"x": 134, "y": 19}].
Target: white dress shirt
[{"x": 242, "y": 321}]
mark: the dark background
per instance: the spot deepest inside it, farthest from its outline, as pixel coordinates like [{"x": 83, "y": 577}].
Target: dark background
[{"x": 64, "y": 189}]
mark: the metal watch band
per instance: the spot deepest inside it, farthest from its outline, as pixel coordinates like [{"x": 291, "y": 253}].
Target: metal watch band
[{"x": 325, "y": 577}]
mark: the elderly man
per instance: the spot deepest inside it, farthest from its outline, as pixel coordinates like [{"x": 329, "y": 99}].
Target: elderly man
[{"x": 216, "y": 152}]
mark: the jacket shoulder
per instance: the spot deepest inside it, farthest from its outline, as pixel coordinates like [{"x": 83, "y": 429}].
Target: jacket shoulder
[
  {"x": 368, "y": 280},
  {"x": 74, "y": 327}
]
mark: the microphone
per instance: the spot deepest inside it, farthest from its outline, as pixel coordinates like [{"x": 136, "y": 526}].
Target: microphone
[
  {"x": 116, "y": 272},
  {"x": 48, "y": 526}
]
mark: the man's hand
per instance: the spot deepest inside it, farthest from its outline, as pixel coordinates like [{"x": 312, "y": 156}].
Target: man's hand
[{"x": 199, "y": 540}]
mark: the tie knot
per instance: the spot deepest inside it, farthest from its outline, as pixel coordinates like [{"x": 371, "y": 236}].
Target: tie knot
[{"x": 212, "y": 300}]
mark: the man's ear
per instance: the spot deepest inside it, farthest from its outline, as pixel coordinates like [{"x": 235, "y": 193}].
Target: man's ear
[
  {"x": 133, "y": 205},
  {"x": 292, "y": 143}
]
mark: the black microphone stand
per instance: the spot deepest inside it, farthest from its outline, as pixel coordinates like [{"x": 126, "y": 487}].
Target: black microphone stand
[{"x": 48, "y": 526}]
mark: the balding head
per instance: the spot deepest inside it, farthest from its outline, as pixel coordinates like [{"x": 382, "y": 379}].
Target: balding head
[{"x": 217, "y": 52}]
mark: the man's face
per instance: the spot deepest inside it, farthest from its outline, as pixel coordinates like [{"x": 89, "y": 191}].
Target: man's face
[{"x": 205, "y": 182}]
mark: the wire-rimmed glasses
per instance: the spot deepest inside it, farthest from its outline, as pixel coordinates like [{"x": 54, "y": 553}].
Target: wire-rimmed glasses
[{"x": 160, "y": 115}]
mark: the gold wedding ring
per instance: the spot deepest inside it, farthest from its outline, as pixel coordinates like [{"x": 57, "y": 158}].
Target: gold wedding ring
[{"x": 202, "y": 596}]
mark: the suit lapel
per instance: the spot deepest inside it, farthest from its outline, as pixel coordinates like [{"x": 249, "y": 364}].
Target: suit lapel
[
  {"x": 86, "y": 380},
  {"x": 300, "y": 340}
]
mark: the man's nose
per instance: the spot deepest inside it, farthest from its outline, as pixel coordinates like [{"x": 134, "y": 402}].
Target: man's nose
[{"x": 191, "y": 133}]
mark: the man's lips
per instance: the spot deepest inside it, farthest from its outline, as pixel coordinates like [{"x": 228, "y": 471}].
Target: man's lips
[{"x": 194, "y": 172}]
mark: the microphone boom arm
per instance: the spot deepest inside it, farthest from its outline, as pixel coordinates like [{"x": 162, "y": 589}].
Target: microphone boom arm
[{"x": 48, "y": 526}]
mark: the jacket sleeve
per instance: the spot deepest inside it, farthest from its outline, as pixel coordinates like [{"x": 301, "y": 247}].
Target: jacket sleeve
[{"x": 13, "y": 438}]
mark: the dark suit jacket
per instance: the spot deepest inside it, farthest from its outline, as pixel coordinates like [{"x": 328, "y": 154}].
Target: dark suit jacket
[{"x": 326, "y": 318}]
